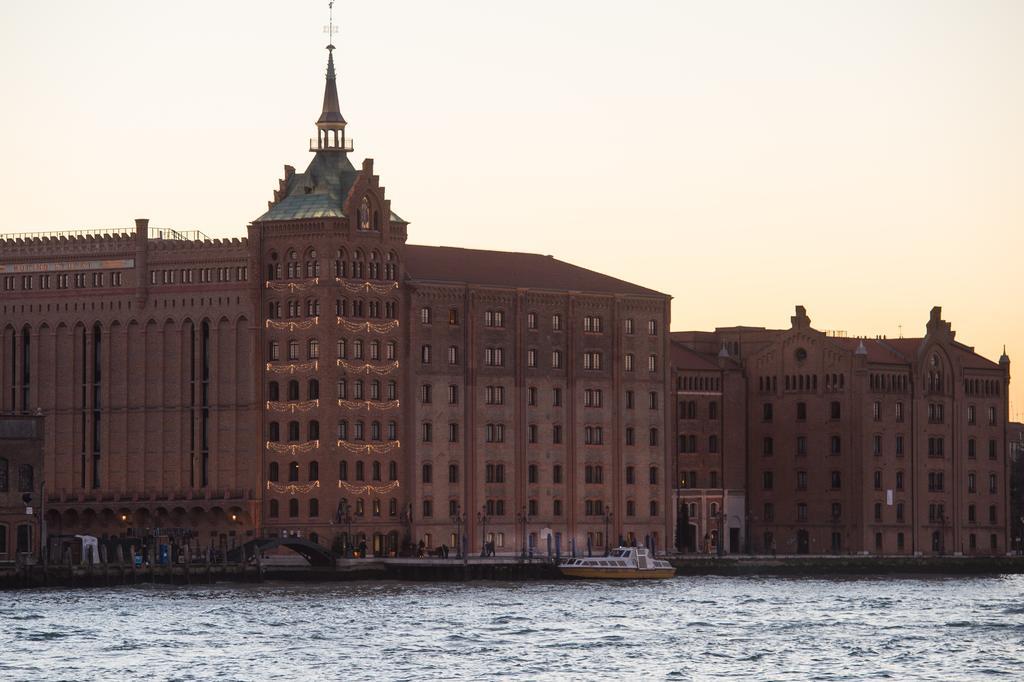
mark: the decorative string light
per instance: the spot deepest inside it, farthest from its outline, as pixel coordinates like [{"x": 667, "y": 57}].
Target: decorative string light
[
  {"x": 381, "y": 289},
  {"x": 294, "y": 448},
  {"x": 294, "y": 367},
  {"x": 292, "y": 488},
  {"x": 368, "y": 404},
  {"x": 378, "y": 327},
  {"x": 368, "y": 489},
  {"x": 303, "y": 406},
  {"x": 293, "y": 286},
  {"x": 367, "y": 368},
  {"x": 292, "y": 326},
  {"x": 370, "y": 448}
]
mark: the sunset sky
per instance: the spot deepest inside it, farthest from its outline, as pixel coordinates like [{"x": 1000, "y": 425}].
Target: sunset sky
[{"x": 864, "y": 159}]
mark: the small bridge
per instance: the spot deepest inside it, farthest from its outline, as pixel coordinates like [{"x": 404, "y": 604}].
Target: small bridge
[{"x": 316, "y": 555}]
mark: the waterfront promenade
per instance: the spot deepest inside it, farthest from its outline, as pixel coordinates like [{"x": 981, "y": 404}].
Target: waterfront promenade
[{"x": 500, "y": 568}]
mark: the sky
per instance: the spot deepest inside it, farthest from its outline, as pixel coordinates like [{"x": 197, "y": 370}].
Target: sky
[{"x": 862, "y": 158}]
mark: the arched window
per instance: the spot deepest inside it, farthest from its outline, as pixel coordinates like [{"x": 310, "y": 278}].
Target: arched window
[
  {"x": 313, "y": 389},
  {"x": 343, "y": 470},
  {"x": 293, "y": 431},
  {"x": 392, "y": 471},
  {"x": 275, "y": 432},
  {"x": 293, "y": 507},
  {"x": 293, "y": 472},
  {"x": 314, "y": 507},
  {"x": 339, "y": 263},
  {"x": 293, "y": 390},
  {"x": 453, "y": 473},
  {"x": 427, "y": 473},
  {"x": 274, "y": 509},
  {"x": 376, "y": 471},
  {"x": 314, "y": 430},
  {"x": 273, "y": 391},
  {"x": 273, "y": 474},
  {"x": 314, "y": 471}
]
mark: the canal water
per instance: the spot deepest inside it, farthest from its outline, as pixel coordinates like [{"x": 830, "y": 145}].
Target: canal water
[{"x": 686, "y": 628}]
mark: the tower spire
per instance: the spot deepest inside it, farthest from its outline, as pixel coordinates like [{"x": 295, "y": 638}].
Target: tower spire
[{"x": 331, "y": 124}]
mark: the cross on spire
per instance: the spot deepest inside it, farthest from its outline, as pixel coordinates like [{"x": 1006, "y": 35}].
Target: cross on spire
[
  {"x": 331, "y": 124},
  {"x": 330, "y": 25}
]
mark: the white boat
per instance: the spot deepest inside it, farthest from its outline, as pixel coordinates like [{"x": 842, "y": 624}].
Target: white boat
[{"x": 623, "y": 563}]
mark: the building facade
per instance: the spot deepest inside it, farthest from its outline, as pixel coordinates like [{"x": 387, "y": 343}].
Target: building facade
[
  {"x": 881, "y": 446},
  {"x": 321, "y": 377},
  {"x": 1015, "y": 450},
  {"x": 21, "y": 460}
]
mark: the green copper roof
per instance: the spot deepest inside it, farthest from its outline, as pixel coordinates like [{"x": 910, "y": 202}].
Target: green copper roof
[{"x": 318, "y": 192}]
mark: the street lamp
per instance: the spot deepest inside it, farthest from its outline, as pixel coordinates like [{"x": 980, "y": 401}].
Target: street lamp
[
  {"x": 481, "y": 517},
  {"x": 458, "y": 519},
  {"x": 607, "y": 520},
  {"x": 522, "y": 517}
]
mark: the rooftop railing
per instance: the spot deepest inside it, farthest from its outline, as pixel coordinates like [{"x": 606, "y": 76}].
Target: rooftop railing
[{"x": 154, "y": 233}]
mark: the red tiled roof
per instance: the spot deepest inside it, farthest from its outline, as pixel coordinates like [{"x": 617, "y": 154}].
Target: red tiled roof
[
  {"x": 881, "y": 350},
  {"x": 686, "y": 359},
  {"x": 904, "y": 351},
  {"x": 510, "y": 269}
]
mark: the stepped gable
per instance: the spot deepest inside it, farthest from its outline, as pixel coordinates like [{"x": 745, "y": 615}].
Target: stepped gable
[
  {"x": 318, "y": 192},
  {"x": 449, "y": 264}
]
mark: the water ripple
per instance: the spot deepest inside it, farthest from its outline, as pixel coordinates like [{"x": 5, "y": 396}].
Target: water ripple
[{"x": 928, "y": 628}]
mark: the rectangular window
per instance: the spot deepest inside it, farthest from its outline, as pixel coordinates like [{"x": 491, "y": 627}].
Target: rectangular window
[
  {"x": 425, "y": 315},
  {"x": 531, "y": 357}
]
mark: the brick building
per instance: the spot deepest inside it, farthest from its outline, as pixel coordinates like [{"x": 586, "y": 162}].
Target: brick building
[
  {"x": 1015, "y": 452},
  {"x": 21, "y": 448},
  {"x": 889, "y": 446},
  {"x": 321, "y": 377},
  {"x": 324, "y": 378}
]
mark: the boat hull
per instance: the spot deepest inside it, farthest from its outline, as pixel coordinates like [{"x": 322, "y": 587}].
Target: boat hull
[{"x": 610, "y": 573}]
